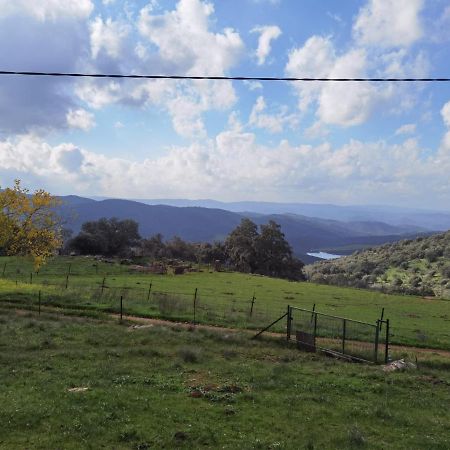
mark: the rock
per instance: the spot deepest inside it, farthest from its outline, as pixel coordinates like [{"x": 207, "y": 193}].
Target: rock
[
  {"x": 400, "y": 364},
  {"x": 78, "y": 389}
]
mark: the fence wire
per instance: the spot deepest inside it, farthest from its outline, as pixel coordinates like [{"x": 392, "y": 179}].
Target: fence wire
[{"x": 312, "y": 330}]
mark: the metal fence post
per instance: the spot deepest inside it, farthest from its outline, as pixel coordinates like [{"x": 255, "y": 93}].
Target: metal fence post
[
  {"x": 195, "y": 302},
  {"x": 344, "y": 326},
  {"x": 121, "y": 308},
  {"x": 103, "y": 285},
  {"x": 289, "y": 323},
  {"x": 31, "y": 277},
  {"x": 67, "y": 281},
  {"x": 149, "y": 291},
  {"x": 377, "y": 335},
  {"x": 39, "y": 303},
  {"x": 315, "y": 328},
  {"x": 386, "y": 349},
  {"x": 4, "y": 270},
  {"x": 253, "y": 302}
]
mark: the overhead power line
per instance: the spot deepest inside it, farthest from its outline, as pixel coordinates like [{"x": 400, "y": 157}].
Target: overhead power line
[{"x": 192, "y": 77}]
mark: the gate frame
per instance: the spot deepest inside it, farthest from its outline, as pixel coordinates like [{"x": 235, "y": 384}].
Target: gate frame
[{"x": 378, "y": 328}]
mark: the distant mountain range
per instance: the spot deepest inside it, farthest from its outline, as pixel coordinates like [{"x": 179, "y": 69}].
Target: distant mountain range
[
  {"x": 398, "y": 216},
  {"x": 197, "y": 224}
]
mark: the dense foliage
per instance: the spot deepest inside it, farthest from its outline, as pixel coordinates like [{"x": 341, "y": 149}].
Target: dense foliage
[
  {"x": 420, "y": 266},
  {"x": 109, "y": 237},
  {"x": 246, "y": 249},
  {"x": 266, "y": 252},
  {"x": 28, "y": 224}
]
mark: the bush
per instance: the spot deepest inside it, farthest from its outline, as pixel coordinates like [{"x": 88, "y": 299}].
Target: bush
[{"x": 189, "y": 355}]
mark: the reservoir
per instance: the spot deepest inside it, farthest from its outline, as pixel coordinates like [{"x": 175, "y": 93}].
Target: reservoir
[{"x": 324, "y": 255}]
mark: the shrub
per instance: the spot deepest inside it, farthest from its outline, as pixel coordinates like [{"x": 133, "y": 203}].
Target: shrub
[{"x": 189, "y": 355}]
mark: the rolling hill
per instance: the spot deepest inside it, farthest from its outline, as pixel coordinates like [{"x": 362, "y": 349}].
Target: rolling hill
[
  {"x": 420, "y": 266},
  {"x": 196, "y": 224}
]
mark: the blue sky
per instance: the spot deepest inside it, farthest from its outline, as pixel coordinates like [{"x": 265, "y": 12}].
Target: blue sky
[{"x": 324, "y": 143}]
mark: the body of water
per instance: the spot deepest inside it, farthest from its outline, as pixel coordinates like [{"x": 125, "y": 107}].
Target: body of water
[{"x": 324, "y": 255}]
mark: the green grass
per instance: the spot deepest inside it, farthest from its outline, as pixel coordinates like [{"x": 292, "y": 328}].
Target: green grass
[
  {"x": 171, "y": 388},
  {"x": 223, "y": 298}
]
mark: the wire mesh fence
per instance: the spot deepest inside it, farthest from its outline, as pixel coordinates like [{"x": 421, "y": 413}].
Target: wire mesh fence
[
  {"x": 358, "y": 340},
  {"x": 106, "y": 291}
]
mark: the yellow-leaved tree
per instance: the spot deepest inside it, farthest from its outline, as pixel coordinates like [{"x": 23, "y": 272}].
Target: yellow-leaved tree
[{"x": 29, "y": 224}]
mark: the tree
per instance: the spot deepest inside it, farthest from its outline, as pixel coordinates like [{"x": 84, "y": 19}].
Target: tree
[
  {"x": 241, "y": 246},
  {"x": 266, "y": 253},
  {"x": 108, "y": 237},
  {"x": 154, "y": 246},
  {"x": 274, "y": 254},
  {"x": 29, "y": 225}
]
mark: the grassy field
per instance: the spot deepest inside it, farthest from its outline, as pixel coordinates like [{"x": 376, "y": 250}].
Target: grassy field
[
  {"x": 222, "y": 298},
  {"x": 76, "y": 383}
]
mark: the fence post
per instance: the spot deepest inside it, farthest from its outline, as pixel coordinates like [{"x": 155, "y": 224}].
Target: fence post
[
  {"x": 377, "y": 335},
  {"x": 4, "y": 270},
  {"x": 149, "y": 291},
  {"x": 67, "y": 281},
  {"x": 315, "y": 328},
  {"x": 68, "y": 270},
  {"x": 289, "y": 323},
  {"x": 251, "y": 307},
  {"x": 31, "y": 277},
  {"x": 195, "y": 302},
  {"x": 103, "y": 285},
  {"x": 381, "y": 318},
  {"x": 344, "y": 327},
  {"x": 386, "y": 348},
  {"x": 121, "y": 308},
  {"x": 39, "y": 303}
]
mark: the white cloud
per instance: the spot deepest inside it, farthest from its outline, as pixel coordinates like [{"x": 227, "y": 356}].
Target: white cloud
[
  {"x": 184, "y": 39},
  {"x": 184, "y": 45},
  {"x": 119, "y": 125},
  {"x": 315, "y": 59},
  {"x": 408, "y": 128},
  {"x": 445, "y": 113},
  {"x": 107, "y": 36},
  {"x": 81, "y": 119},
  {"x": 47, "y": 9},
  {"x": 341, "y": 104},
  {"x": 253, "y": 85},
  {"x": 389, "y": 23},
  {"x": 316, "y": 130},
  {"x": 234, "y": 165},
  {"x": 267, "y": 34},
  {"x": 273, "y": 123}
]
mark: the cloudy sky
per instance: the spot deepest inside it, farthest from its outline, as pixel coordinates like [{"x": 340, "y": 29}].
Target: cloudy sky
[{"x": 309, "y": 142}]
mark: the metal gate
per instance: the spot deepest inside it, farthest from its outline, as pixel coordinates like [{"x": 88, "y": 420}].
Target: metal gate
[{"x": 353, "y": 339}]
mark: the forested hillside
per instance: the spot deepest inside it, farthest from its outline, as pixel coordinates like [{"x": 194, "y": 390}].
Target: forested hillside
[{"x": 420, "y": 266}]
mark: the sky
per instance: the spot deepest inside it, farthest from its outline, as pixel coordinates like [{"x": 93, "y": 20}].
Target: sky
[{"x": 342, "y": 143}]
